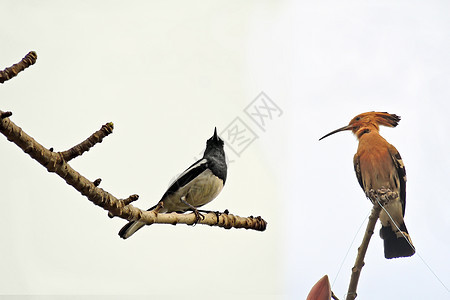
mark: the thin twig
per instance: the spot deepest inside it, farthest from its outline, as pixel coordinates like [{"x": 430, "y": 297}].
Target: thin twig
[
  {"x": 130, "y": 199},
  {"x": 15, "y": 69},
  {"x": 359, "y": 263},
  {"x": 96, "y": 137},
  {"x": 55, "y": 162}
]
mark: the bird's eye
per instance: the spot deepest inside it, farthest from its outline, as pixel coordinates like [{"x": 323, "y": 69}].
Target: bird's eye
[{"x": 358, "y": 118}]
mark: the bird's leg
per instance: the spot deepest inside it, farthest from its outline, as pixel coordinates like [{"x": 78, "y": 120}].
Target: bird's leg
[{"x": 198, "y": 215}]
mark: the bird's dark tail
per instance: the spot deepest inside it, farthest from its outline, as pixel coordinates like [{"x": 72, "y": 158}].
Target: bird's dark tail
[
  {"x": 130, "y": 228},
  {"x": 395, "y": 245}
]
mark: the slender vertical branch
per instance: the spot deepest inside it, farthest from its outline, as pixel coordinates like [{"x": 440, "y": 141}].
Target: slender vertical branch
[
  {"x": 359, "y": 263},
  {"x": 382, "y": 196},
  {"x": 15, "y": 69}
]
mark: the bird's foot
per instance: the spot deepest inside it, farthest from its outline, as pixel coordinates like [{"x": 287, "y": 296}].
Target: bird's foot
[
  {"x": 217, "y": 213},
  {"x": 198, "y": 216},
  {"x": 383, "y": 196}
]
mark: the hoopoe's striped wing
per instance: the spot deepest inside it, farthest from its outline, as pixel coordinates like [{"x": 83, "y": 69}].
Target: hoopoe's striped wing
[
  {"x": 400, "y": 167},
  {"x": 358, "y": 171}
]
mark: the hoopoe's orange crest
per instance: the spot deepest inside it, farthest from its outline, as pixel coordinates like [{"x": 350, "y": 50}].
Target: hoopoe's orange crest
[{"x": 365, "y": 122}]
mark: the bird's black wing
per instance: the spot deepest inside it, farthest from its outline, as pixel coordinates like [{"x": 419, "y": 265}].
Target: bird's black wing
[
  {"x": 358, "y": 171},
  {"x": 190, "y": 173},
  {"x": 400, "y": 167}
]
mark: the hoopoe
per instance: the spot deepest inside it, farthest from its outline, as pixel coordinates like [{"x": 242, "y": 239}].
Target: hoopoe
[{"x": 378, "y": 165}]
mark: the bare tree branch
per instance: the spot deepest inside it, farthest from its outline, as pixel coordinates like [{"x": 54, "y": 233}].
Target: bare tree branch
[
  {"x": 57, "y": 162},
  {"x": 223, "y": 220},
  {"x": 12, "y": 71},
  {"x": 382, "y": 195},
  {"x": 96, "y": 137}
]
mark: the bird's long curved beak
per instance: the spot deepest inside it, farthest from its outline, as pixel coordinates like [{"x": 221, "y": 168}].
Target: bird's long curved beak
[{"x": 348, "y": 127}]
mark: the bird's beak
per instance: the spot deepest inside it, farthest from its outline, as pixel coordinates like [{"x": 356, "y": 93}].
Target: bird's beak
[
  {"x": 348, "y": 127},
  {"x": 215, "y": 134}
]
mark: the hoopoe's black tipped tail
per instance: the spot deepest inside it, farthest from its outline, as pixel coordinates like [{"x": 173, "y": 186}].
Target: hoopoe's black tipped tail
[{"x": 395, "y": 243}]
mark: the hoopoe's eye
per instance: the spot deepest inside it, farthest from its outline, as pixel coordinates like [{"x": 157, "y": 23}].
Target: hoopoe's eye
[{"x": 358, "y": 118}]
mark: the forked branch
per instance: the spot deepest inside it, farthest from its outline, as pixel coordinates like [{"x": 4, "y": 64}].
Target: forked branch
[{"x": 57, "y": 162}]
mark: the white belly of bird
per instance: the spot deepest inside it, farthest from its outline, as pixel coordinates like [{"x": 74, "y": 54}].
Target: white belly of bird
[{"x": 200, "y": 191}]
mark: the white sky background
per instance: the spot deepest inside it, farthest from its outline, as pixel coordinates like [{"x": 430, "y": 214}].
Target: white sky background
[{"x": 166, "y": 73}]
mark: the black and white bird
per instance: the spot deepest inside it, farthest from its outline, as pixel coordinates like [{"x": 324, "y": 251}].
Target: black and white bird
[{"x": 195, "y": 187}]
